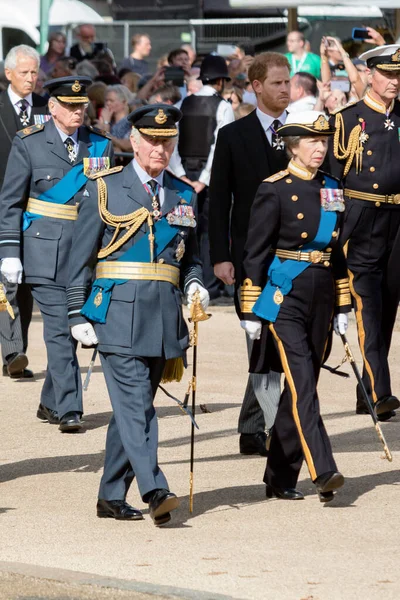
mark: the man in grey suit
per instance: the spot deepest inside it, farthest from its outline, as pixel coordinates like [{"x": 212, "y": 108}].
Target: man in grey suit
[
  {"x": 19, "y": 107},
  {"x": 43, "y": 184},
  {"x": 148, "y": 253}
]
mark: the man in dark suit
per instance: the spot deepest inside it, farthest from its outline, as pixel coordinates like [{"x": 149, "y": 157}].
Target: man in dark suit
[
  {"x": 19, "y": 108},
  {"x": 247, "y": 152}
]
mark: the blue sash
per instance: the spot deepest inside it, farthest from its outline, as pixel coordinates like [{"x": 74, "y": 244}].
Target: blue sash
[
  {"x": 164, "y": 233},
  {"x": 71, "y": 183},
  {"x": 282, "y": 274}
]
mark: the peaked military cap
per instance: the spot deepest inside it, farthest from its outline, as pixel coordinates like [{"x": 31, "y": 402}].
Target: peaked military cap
[
  {"x": 156, "y": 120},
  {"x": 306, "y": 123},
  {"x": 69, "y": 89},
  {"x": 386, "y": 58}
]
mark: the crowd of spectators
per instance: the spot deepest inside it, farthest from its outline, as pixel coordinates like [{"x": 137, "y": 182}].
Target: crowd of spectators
[{"x": 324, "y": 81}]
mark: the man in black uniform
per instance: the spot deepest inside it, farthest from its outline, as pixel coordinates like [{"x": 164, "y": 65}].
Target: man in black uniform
[
  {"x": 204, "y": 113},
  {"x": 365, "y": 150}
]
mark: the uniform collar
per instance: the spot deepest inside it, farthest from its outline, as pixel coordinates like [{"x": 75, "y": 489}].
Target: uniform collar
[
  {"x": 300, "y": 172},
  {"x": 377, "y": 106},
  {"x": 15, "y": 98},
  {"x": 64, "y": 136},
  {"x": 145, "y": 177}
]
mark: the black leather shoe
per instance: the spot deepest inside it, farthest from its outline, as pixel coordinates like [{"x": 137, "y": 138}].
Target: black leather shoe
[
  {"x": 25, "y": 374},
  {"x": 282, "y": 493},
  {"x": 328, "y": 482},
  {"x": 47, "y": 414},
  {"x": 71, "y": 422},
  {"x": 325, "y": 496},
  {"x": 253, "y": 443},
  {"x": 161, "y": 502},
  {"x": 15, "y": 363},
  {"x": 385, "y": 416},
  {"x": 117, "y": 509},
  {"x": 386, "y": 404}
]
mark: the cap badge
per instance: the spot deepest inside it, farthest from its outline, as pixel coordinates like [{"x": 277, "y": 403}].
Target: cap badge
[
  {"x": 396, "y": 56},
  {"x": 321, "y": 124},
  {"x": 161, "y": 117},
  {"x": 76, "y": 87}
]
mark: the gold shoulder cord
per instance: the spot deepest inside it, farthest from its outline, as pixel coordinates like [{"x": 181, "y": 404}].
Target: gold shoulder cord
[
  {"x": 131, "y": 222},
  {"x": 354, "y": 146}
]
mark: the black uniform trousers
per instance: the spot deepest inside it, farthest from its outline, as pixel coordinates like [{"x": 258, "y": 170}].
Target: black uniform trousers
[
  {"x": 300, "y": 333},
  {"x": 132, "y": 436},
  {"x": 373, "y": 260},
  {"x": 193, "y": 168}
]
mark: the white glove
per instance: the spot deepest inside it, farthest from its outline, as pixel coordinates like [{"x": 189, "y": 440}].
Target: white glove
[
  {"x": 340, "y": 323},
  {"x": 252, "y": 328},
  {"x": 11, "y": 269},
  {"x": 204, "y": 295},
  {"x": 85, "y": 334}
]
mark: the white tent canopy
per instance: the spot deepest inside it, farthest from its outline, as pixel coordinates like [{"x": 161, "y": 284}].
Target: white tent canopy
[{"x": 62, "y": 12}]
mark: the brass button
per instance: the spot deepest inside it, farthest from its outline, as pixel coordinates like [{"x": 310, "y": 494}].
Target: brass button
[
  {"x": 161, "y": 261},
  {"x": 375, "y": 186},
  {"x": 323, "y": 182},
  {"x": 396, "y": 198},
  {"x": 48, "y": 177},
  {"x": 377, "y": 204},
  {"x": 372, "y": 169},
  {"x": 334, "y": 234},
  {"x": 369, "y": 152},
  {"x": 326, "y": 263},
  {"x": 361, "y": 120},
  {"x": 37, "y": 233},
  {"x": 304, "y": 235},
  {"x": 329, "y": 249},
  {"x": 288, "y": 181},
  {"x": 300, "y": 216},
  {"x": 295, "y": 198}
]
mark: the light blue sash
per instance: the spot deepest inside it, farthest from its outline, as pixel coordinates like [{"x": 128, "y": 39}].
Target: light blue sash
[
  {"x": 71, "y": 183},
  {"x": 282, "y": 274}
]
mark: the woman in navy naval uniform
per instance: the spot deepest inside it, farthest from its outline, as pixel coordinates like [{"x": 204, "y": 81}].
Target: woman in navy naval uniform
[{"x": 295, "y": 279}]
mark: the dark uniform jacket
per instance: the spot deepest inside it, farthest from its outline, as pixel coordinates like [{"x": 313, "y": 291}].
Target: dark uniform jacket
[
  {"x": 144, "y": 317},
  {"x": 38, "y": 161},
  {"x": 10, "y": 124},
  {"x": 243, "y": 159}
]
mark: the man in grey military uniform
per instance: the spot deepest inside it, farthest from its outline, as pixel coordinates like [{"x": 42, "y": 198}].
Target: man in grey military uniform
[
  {"x": 43, "y": 184},
  {"x": 148, "y": 253}
]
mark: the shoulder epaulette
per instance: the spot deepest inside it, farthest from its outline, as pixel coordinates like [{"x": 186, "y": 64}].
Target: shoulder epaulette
[
  {"x": 277, "y": 176},
  {"x": 105, "y": 134},
  {"x": 29, "y": 130},
  {"x": 352, "y": 103},
  {"x": 105, "y": 172}
]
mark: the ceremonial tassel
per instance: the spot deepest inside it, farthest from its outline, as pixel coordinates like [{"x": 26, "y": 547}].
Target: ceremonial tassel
[{"x": 173, "y": 370}]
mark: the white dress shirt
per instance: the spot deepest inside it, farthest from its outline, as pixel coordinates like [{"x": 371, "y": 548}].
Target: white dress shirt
[
  {"x": 266, "y": 122},
  {"x": 145, "y": 178},
  {"x": 224, "y": 116},
  {"x": 15, "y": 100}
]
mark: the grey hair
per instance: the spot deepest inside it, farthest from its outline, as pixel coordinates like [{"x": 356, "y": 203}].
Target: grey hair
[
  {"x": 122, "y": 92},
  {"x": 24, "y": 50},
  {"x": 86, "y": 69},
  {"x": 291, "y": 141}
]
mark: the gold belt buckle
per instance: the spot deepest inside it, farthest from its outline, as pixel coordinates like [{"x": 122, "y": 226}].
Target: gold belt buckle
[
  {"x": 316, "y": 256},
  {"x": 396, "y": 199}
]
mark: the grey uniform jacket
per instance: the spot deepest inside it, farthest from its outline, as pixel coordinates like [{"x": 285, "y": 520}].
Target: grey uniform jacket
[
  {"x": 144, "y": 317},
  {"x": 38, "y": 161}
]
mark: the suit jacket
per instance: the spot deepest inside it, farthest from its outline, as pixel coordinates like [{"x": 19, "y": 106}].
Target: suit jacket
[
  {"x": 144, "y": 317},
  {"x": 243, "y": 159},
  {"x": 38, "y": 160},
  {"x": 10, "y": 124}
]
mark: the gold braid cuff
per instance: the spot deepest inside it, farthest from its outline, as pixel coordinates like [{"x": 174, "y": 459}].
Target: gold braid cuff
[
  {"x": 131, "y": 222},
  {"x": 354, "y": 145},
  {"x": 249, "y": 294},
  {"x": 343, "y": 296}
]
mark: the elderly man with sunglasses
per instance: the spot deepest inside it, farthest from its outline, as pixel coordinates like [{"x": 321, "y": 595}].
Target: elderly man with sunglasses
[{"x": 44, "y": 182}]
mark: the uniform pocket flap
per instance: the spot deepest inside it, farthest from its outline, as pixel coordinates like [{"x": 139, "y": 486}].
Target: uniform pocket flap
[
  {"x": 45, "y": 230},
  {"x": 125, "y": 292},
  {"x": 47, "y": 173}
]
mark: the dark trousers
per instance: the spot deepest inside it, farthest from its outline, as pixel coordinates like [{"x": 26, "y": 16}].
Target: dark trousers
[
  {"x": 132, "y": 436},
  {"x": 300, "y": 333},
  {"x": 14, "y": 332},
  {"x": 373, "y": 261},
  {"x": 62, "y": 388},
  {"x": 215, "y": 287}
]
